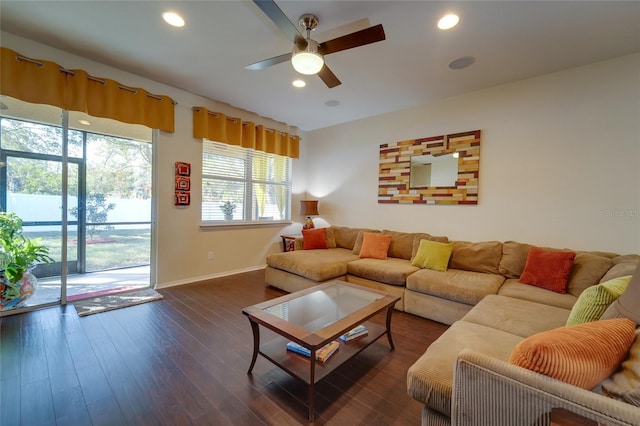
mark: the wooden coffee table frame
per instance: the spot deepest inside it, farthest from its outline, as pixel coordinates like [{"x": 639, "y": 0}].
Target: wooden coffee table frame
[{"x": 308, "y": 370}]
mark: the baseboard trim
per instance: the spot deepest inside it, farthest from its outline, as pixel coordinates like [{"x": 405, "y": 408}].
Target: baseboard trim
[{"x": 209, "y": 277}]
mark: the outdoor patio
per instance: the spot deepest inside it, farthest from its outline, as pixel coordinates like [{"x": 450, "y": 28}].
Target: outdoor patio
[{"x": 82, "y": 286}]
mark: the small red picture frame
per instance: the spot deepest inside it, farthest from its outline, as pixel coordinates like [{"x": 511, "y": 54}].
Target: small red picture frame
[
  {"x": 183, "y": 183},
  {"x": 182, "y": 198},
  {"x": 183, "y": 169}
]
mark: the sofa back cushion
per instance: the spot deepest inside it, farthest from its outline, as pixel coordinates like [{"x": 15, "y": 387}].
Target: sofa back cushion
[
  {"x": 514, "y": 257},
  {"x": 402, "y": 243},
  {"x": 422, "y": 236},
  {"x": 345, "y": 237},
  {"x": 588, "y": 270},
  {"x": 477, "y": 257},
  {"x": 620, "y": 269}
]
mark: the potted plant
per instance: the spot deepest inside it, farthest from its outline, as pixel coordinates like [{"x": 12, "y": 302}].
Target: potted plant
[
  {"x": 227, "y": 208},
  {"x": 17, "y": 255}
]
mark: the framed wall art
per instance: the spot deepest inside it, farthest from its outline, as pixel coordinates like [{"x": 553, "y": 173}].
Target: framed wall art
[
  {"x": 433, "y": 170},
  {"x": 182, "y": 198},
  {"x": 183, "y": 184}
]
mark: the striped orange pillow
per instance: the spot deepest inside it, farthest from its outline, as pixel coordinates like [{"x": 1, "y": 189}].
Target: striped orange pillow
[{"x": 582, "y": 355}]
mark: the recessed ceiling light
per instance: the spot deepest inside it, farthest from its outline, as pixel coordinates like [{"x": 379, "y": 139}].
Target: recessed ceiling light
[
  {"x": 332, "y": 103},
  {"x": 460, "y": 63},
  {"x": 85, "y": 122},
  {"x": 299, "y": 83},
  {"x": 173, "y": 18},
  {"x": 448, "y": 21}
]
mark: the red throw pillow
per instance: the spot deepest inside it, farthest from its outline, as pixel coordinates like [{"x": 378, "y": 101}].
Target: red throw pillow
[
  {"x": 375, "y": 246},
  {"x": 314, "y": 239},
  {"x": 548, "y": 269}
]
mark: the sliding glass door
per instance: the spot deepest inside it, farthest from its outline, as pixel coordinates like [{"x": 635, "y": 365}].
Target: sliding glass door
[{"x": 81, "y": 185}]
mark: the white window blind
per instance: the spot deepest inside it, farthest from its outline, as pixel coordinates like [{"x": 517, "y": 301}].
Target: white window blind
[{"x": 257, "y": 183}]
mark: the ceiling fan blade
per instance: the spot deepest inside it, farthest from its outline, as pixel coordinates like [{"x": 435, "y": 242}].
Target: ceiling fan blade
[
  {"x": 349, "y": 41},
  {"x": 268, "y": 62},
  {"x": 273, "y": 12},
  {"x": 328, "y": 77}
]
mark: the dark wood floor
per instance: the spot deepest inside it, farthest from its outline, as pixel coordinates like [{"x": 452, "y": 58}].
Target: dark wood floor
[{"x": 183, "y": 360}]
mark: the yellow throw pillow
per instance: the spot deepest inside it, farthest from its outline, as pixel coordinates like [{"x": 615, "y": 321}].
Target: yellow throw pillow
[
  {"x": 596, "y": 299},
  {"x": 375, "y": 245},
  {"x": 433, "y": 255},
  {"x": 582, "y": 355}
]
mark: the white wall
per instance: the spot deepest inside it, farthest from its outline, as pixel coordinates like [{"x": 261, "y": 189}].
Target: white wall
[
  {"x": 182, "y": 245},
  {"x": 560, "y": 162}
]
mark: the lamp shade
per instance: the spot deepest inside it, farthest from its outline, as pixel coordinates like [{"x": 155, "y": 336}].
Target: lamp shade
[{"x": 309, "y": 207}]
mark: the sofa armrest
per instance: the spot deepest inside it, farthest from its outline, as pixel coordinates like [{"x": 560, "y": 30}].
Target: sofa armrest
[{"x": 490, "y": 391}]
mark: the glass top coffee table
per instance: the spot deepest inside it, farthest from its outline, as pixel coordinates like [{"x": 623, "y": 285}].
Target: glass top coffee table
[{"x": 314, "y": 317}]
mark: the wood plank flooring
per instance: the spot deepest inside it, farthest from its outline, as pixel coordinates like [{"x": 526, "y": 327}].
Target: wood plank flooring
[{"x": 183, "y": 361}]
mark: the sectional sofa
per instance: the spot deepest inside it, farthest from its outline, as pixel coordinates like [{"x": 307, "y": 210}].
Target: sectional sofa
[{"x": 490, "y": 312}]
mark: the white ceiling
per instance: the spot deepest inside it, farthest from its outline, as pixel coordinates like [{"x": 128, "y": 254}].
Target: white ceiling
[{"x": 511, "y": 40}]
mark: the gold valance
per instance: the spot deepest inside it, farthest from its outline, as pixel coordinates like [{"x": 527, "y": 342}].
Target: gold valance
[
  {"x": 44, "y": 82},
  {"x": 218, "y": 127}
]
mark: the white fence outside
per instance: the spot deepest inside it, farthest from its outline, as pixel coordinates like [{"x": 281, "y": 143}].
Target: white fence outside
[{"x": 40, "y": 208}]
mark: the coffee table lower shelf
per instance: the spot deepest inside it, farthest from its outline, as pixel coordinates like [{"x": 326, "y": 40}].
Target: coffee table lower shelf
[{"x": 299, "y": 366}]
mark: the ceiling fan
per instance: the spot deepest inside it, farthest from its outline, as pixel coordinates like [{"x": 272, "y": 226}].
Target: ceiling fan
[{"x": 308, "y": 49}]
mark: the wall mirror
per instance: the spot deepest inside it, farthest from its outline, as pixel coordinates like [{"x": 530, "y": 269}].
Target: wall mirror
[{"x": 435, "y": 170}]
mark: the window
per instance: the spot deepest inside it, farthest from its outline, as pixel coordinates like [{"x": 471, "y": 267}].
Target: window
[{"x": 244, "y": 185}]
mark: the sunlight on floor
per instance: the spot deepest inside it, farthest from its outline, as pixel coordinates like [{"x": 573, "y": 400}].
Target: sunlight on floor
[{"x": 90, "y": 284}]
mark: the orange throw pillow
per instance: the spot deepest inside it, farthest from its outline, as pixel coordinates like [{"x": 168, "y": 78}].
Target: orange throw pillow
[
  {"x": 548, "y": 269},
  {"x": 314, "y": 239},
  {"x": 375, "y": 245},
  {"x": 582, "y": 355}
]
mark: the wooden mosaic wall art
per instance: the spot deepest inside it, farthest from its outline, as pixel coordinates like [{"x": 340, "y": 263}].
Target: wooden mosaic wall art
[{"x": 395, "y": 169}]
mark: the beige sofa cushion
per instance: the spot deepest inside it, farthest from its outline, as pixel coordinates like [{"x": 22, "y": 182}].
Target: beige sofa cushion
[
  {"x": 621, "y": 269},
  {"x": 421, "y": 236},
  {"x": 461, "y": 286},
  {"x": 401, "y": 244},
  {"x": 477, "y": 257},
  {"x": 345, "y": 237},
  {"x": 516, "y": 316},
  {"x": 316, "y": 265},
  {"x": 588, "y": 269},
  {"x": 430, "y": 378},
  {"x": 513, "y": 288},
  {"x": 390, "y": 271}
]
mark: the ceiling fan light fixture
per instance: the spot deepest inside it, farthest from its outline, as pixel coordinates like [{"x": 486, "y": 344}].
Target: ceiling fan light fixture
[{"x": 307, "y": 61}]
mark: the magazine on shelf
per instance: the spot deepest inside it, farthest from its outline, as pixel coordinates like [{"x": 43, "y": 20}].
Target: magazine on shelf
[
  {"x": 322, "y": 354},
  {"x": 360, "y": 330}
]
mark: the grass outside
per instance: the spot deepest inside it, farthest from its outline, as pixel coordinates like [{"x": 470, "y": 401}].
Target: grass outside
[{"x": 108, "y": 249}]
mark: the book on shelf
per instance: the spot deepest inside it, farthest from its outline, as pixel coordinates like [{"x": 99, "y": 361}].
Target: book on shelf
[
  {"x": 360, "y": 330},
  {"x": 322, "y": 354}
]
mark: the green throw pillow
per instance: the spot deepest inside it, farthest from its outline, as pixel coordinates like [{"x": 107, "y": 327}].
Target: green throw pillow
[
  {"x": 596, "y": 299},
  {"x": 433, "y": 255}
]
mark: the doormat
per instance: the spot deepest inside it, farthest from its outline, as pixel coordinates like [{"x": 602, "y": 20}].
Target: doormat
[{"x": 110, "y": 302}]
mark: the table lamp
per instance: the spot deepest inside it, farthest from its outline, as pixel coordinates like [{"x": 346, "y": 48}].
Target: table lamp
[{"x": 308, "y": 208}]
